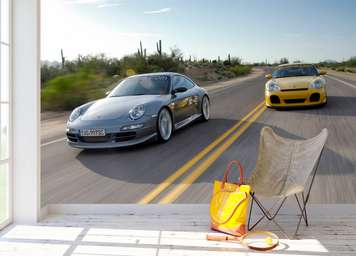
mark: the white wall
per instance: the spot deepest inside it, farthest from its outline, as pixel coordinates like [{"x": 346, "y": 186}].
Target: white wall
[{"x": 26, "y": 110}]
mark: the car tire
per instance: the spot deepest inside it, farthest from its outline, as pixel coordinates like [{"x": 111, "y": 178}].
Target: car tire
[
  {"x": 205, "y": 109},
  {"x": 164, "y": 125}
]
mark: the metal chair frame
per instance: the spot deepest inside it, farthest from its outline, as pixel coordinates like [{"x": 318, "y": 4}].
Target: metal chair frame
[{"x": 302, "y": 205}]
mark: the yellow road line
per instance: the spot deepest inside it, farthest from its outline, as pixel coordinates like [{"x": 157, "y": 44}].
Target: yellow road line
[
  {"x": 180, "y": 188},
  {"x": 170, "y": 179}
]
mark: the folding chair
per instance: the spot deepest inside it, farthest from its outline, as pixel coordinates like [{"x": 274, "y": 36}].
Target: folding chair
[{"x": 283, "y": 169}]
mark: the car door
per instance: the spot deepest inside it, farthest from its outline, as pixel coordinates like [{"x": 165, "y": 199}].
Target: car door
[
  {"x": 193, "y": 97},
  {"x": 180, "y": 100}
]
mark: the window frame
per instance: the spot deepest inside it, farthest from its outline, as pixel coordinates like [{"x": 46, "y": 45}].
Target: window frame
[
  {"x": 185, "y": 78},
  {"x": 9, "y": 160}
]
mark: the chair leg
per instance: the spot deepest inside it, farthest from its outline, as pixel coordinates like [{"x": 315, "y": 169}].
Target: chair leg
[
  {"x": 303, "y": 213},
  {"x": 249, "y": 216},
  {"x": 304, "y": 209},
  {"x": 271, "y": 217},
  {"x": 306, "y": 199},
  {"x": 266, "y": 213}
]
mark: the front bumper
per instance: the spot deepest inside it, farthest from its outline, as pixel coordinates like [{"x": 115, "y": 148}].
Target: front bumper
[
  {"x": 115, "y": 137},
  {"x": 298, "y": 98},
  {"x": 110, "y": 144}
]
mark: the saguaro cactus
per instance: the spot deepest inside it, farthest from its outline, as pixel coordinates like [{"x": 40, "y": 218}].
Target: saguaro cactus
[
  {"x": 159, "y": 47},
  {"x": 229, "y": 59},
  {"x": 140, "y": 51},
  {"x": 141, "y": 48},
  {"x": 63, "y": 58}
]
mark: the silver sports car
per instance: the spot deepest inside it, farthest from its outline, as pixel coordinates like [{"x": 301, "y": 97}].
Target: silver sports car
[{"x": 138, "y": 109}]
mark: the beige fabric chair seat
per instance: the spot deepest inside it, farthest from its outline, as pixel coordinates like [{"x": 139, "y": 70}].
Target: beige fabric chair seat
[
  {"x": 284, "y": 165},
  {"x": 282, "y": 170}
]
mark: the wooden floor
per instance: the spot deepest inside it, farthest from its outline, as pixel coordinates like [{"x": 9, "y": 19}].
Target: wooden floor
[{"x": 170, "y": 230}]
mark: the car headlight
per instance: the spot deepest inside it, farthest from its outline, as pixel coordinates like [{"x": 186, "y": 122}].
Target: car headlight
[
  {"x": 75, "y": 114},
  {"x": 317, "y": 84},
  {"x": 272, "y": 87},
  {"x": 137, "y": 112}
]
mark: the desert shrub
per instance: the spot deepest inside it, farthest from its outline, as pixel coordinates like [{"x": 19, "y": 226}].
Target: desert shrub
[
  {"x": 344, "y": 66},
  {"x": 236, "y": 61},
  {"x": 351, "y": 62},
  {"x": 49, "y": 72},
  {"x": 97, "y": 63},
  {"x": 164, "y": 63},
  {"x": 226, "y": 63},
  {"x": 71, "y": 90},
  {"x": 351, "y": 70},
  {"x": 229, "y": 74},
  {"x": 89, "y": 77},
  {"x": 239, "y": 70}
]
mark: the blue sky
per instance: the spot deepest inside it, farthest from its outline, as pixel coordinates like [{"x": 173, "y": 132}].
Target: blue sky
[{"x": 254, "y": 30}]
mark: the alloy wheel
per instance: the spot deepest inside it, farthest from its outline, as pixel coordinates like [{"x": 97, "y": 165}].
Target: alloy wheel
[
  {"x": 165, "y": 126},
  {"x": 206, "y": 108}
]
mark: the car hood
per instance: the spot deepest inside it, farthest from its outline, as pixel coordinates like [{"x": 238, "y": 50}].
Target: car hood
[
  {"x": 298, "y": 82},
  {"x": 117, "y": 107}
]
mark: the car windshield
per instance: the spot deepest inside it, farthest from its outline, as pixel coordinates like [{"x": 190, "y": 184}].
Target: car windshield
[
  {"x": 142, "y": 85},
  {"x": 295, "y": 71}
]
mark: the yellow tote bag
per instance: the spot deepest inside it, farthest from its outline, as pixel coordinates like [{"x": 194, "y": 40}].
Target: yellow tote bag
[{"x": 229, "y": 203}]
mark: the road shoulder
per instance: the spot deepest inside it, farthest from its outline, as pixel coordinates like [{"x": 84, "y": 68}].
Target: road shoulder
[{"x": 343, "y": 75}]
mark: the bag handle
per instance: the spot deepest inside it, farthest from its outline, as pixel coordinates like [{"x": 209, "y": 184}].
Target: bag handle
[{"x": 228, "y": 170}]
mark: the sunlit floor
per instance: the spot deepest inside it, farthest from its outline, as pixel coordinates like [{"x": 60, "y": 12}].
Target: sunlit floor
[{"x": 173, "y": 230}]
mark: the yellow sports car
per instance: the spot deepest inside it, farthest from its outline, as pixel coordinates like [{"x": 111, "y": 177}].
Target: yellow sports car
[{"x": 294, "y": 85}]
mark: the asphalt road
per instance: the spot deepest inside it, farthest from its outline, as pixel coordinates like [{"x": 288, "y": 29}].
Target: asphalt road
[{"x": 139, "y": 174}]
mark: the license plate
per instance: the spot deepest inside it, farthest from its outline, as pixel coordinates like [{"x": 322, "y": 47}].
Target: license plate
[{"x": 92, "y": 132}]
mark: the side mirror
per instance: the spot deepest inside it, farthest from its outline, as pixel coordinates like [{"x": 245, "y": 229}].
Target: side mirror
[
  {"x": 107, "y": 93},
  {"x": 268, "y": 76},
  {"x": 322, "y": 73},
  {"x": 179, "y": 90}
]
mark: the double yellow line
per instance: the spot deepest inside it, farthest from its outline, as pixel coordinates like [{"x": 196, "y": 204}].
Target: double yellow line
[{"x": 243, "y": 124}]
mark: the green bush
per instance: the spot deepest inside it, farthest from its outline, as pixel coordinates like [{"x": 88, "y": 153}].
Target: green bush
[
  {"x": 88, "y": 78},
  {"x": 97, "y": 63},
  {"x": 351, "y": 62},
  {"x": 164, "y": 64},
  {"x": 49, "y": 72},
  {"x": 344, "y": 66},
  {"x": 69, "y": 91},
  {"x": 239, "y": 70}
]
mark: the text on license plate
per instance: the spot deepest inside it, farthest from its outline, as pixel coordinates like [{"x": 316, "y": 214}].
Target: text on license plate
[{"x": 92, "y": 132}]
